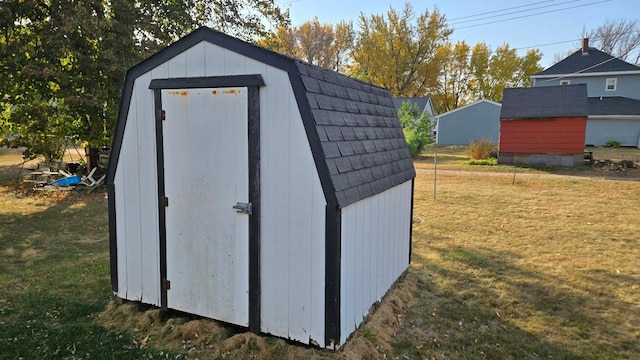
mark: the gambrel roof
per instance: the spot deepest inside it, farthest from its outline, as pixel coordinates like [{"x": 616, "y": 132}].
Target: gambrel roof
[
  {"x": 544, "y": 102},
  {"x": 592, "y": 62},
  {"x": 352, "y": 127}
]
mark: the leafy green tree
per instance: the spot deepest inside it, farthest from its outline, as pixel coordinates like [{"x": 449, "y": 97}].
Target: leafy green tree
[
  {"x": 63, "y": 61},
  {"x": 416, "y": 127}
]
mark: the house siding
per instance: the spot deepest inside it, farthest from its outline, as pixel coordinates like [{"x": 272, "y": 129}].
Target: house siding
[
  {"x": 464, "y": 125},
  {"x": 628, "y": 85},
  {"x": 600, "y": 131},
  {"x": 551, "y": 136}
]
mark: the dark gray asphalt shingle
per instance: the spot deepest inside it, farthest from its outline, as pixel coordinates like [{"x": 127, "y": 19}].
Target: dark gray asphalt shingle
[
  {"x": 593, "y": 62},
  {"x": 360, "y": 120},
  {"x": 544, "y": 102},
  {"x": 614, "y": 105}
]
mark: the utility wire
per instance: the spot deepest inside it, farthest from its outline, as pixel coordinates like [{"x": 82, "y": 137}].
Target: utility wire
[
  {"x": 514, "y": 12},
  {"x": 530, "y": 15},
  {"x": 500, "y": 10}
]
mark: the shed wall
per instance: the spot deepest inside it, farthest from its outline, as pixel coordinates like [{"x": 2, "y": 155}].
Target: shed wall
[
  {"x": 292, "y": 201},
  {"x": 463, "y": 126},
  {"x": 375, "y": 252},
  {"x": 558, "y": 135},
  {"x": 599, "y": 131}
]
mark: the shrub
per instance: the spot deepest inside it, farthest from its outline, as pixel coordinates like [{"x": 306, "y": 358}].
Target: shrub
[
  {"x": 613, "y": 144},
  {"x": 482, "y": 149},
  {"x": 415, "y": 126},
  {"x": 415, "y": 142}
]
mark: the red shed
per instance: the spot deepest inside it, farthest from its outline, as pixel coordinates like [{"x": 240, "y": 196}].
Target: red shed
[{"x": 543, "y": 125}]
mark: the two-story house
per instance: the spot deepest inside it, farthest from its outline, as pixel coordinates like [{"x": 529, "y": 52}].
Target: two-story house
[{"x": 613, "y": 90}]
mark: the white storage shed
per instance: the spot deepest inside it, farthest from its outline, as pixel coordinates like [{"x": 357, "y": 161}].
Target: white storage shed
[{"x": 256, "y": 189}]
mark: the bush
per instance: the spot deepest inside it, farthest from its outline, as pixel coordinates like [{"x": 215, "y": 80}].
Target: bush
[
  {"x": 482, "y": 149},
  {"x": 415, "y": 126},
  {"x": 613, "y": 144},
  {"x": 415, "y": 142}
]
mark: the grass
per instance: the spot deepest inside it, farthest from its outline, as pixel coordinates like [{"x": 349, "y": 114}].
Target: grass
[{"x": 531, "y": 267}]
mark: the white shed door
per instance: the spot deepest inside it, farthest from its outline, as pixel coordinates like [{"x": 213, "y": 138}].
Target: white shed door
[{"x": 206, "y": 174}]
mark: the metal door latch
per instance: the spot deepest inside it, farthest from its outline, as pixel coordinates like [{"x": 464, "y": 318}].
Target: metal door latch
[{"x": 244, "y": 208}]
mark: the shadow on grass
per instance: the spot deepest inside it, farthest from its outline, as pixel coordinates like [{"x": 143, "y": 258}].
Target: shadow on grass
[
  {"x": 478, "y": 303},
  {"x": 54, "y": 279}
]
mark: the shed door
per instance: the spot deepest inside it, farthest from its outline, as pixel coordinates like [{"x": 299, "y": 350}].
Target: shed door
[{"x": 206, "y": 173}]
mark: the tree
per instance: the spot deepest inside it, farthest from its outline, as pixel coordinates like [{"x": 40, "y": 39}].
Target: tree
[
  {"x": 492, "y": 72},
  {"x": 320, "y": 44},
  {"x": 619, "y": 38},
  {"x": 398, "y": 51},
  {"x": 416, "y": 127},
  {"x": 63, "y": 61},
  {"x": 454, "y": 82}
]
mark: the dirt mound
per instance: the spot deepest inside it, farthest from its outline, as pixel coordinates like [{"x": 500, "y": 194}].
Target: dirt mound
[{"x": 205, "y": 338}]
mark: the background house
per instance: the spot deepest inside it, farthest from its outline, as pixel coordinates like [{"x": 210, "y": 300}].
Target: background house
[
  {"x": 613, "y": 88},
  {"x": 543, "y": 126},
  {"x": 423, "y": 103},
  {"x": 465, "y": 124},
  {"x": 256, "y": 189}
]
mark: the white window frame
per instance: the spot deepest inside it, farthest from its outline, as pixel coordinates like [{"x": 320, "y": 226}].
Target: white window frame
[
  {"x": 613, "y": 82},
  {"x": 565, "y": 82}
]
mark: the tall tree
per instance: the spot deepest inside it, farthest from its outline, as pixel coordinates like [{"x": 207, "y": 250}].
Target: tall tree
[
  {"x": 455, "y": 76},
  {"x": 318, "y": 43},
  {"x": 492, "y": 72},
  {"x": 63, "y": 61},
  {"x": 619, "y": 38},
  {"x": 398, "y": 51}
]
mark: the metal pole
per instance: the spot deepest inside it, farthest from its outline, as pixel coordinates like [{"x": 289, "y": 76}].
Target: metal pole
[{"x": 435, "y": 171}]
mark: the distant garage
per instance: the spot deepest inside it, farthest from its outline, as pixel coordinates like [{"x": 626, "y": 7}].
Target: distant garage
[
  {"x": 465, "y": 124},
  {"x": 543, "y": 125}
]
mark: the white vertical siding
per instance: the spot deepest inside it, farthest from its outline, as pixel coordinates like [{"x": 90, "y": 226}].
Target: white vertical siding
[
  {"x": 375, "y": 252},
  {"x": 293, "y": 204}
]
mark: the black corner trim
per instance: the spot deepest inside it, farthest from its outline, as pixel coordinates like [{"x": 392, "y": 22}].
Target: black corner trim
[
  {"x": 253, "y": 103},
  {"x": 208, "y": 82},
  {"x": 413, "y": 183},
  {"x": 113, "y": 240},
  {"x": 333, "y": 245},
  {"x": 157, "y": 97}
]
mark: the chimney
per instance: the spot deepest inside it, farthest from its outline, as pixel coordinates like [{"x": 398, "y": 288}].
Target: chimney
[{"x": 585, "y": 46}]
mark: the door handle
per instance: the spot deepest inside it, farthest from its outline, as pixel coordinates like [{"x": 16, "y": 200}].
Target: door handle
[{"x": 243, "y": 208}]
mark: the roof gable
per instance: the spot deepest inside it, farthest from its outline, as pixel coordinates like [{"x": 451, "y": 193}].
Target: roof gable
[
  {"x": 423, "y": 103},
  {"x": 594, "y": 61},
  {"x": 352, "y": 127},
  {"x": 544, "y": 102}
]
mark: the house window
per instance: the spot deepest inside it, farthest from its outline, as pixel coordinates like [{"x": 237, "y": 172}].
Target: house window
[
  {"x": 565, "y": 82},
  {"x": 611, "y": 84}
]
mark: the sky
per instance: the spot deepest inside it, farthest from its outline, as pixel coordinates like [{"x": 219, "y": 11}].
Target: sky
[{"x": 552, "y": 26}]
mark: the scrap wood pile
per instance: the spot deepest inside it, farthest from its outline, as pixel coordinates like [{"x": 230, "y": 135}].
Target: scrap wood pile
[
  {"x": 51, "y": 175},
  {"x": 616, "y": 166}
]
